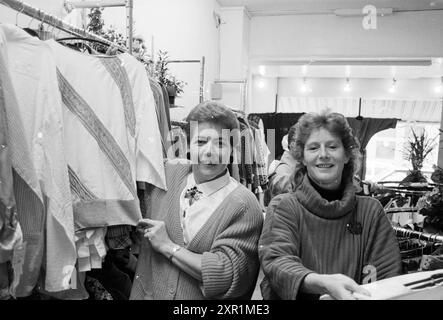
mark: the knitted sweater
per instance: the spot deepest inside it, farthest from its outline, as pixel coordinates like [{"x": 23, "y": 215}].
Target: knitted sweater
[
  {"x": 228, "y": 242},
  {"x": 304, "y": 233}
]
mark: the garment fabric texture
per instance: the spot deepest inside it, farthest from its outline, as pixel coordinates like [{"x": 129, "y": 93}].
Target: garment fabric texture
[
  {"x": 166, "y": 104},
  {"x": 304, "y": 233},
  {"x": 227, "y": 241},
  {"x": 281, "y": 180},
  {"x": 41, "y": 183},
  {"x": 112, "y": 140},
  {"x": 194, "y": 216},
  {"x": 11, "y": 236},
  {"x": 10, "y": 231},
  {"x": 161, "y": 115}
]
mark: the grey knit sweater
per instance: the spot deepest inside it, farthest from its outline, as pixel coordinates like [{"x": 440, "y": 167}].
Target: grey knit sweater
[
  {"x": 304, "y": 233},
  {"x": 228, "y": 242}
]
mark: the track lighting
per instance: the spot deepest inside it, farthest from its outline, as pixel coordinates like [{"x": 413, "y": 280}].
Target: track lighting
[
  {"x": 347, "y": 87},
  {"x": 393, "y": 87}
]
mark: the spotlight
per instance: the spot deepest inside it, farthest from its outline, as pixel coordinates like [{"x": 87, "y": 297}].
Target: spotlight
[
  {"x": 347, "y": 87},
  {"x": 439, "y": 87},
  {"x": 262, "y": 70},
  {"x": 304, "y": 88},
  {"x": 261, "y": 84},
  {"x": 393, "y": 87}
]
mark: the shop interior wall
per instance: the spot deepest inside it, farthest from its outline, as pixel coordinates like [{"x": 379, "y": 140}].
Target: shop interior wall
[
  {"x": 187, "y": 30},
  {"x": 234, "y": 53},
  {"x": 54, "y": 7},
  {"x": 403, "y": 34}
]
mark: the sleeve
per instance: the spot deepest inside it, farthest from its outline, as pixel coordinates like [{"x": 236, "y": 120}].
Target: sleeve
[
  {"x": 149, "y": 149},
  {"x": 279, "y": 250},
  {"x": 231, "y": 268},
  {"x": 382, "y": 250}
]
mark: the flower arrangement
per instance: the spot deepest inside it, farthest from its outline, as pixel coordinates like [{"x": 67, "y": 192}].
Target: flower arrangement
[{"x": 416, "y": 149}]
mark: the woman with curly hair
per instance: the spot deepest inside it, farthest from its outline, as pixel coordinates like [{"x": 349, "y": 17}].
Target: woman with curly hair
[{"x": 322, "y": 238}]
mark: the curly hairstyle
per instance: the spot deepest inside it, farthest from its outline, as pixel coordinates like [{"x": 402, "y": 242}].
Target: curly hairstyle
[{"x": 338, "y": 126}]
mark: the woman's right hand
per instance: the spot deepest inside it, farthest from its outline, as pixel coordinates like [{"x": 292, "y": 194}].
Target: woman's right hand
[{"x": 338, "y": 286}]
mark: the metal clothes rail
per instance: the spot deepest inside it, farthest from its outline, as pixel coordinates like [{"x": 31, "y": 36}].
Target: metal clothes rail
[
  {"x": 202, "y": 73},
  {"x": 402, "y": 232},
  {"x": 35, "y": 13}
]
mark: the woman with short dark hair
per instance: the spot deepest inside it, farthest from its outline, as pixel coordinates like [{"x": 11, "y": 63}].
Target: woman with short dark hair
[
  {"x": 322, "y": 238},
  {"x": 201, "y": 236}
]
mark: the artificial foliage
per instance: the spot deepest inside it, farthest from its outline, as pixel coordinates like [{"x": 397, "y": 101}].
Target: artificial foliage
[
  {"x": 416, "y": 149},
  {"x": 431, "y": 206},
  {"x": 163, "y": 74}
]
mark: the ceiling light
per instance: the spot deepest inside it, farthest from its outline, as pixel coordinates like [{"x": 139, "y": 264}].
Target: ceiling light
[
  {"x": 262, "y": 70},
  {"x": 393, "y": 87},
  {"x": 261, "y": 83},
  {"x": 304, "y": 88},
  {"x": 439, "y": 88},
  {"x": 348, "y": 71},
  {"x": 347, "y": 87},
  {"x": 304, "y": 70}
]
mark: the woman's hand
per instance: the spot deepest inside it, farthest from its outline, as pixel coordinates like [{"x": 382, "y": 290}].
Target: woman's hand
[
  {"x": 338, "y": 286},
  {"x": 155, "y": 232}
]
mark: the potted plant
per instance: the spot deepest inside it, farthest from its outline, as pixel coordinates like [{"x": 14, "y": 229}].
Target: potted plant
[
  {"x": 417, "y": 148},
  {"x": 163, "y": 75}
]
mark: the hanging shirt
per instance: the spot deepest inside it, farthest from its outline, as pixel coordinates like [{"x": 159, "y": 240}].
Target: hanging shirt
[
  {"x": 35, "y": 121},
  {"x": 112, "y": 137},
  {"x": 194, "y": 214}
]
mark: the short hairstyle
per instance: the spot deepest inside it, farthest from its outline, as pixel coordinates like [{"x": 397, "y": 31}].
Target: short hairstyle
[
  {"x": 338, "y": 126},
  {"x": 213, "y": 112}
]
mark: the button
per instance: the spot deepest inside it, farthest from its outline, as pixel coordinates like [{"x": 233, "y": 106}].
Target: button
[
  {"x": 40, "y": 135},
  {"x": 137, "y": 276}
]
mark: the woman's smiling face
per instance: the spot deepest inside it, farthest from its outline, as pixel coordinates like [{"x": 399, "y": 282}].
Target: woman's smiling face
[
  {"x": 325, "y": 157},
  {"x": 210, "y": 151}
]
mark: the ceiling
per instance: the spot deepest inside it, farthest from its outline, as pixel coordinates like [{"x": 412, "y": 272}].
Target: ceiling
[{"x": 275, "y": 7}]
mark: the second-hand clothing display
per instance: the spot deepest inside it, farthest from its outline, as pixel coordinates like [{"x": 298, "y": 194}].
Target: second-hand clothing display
[
  {"x": 75, "y": 158},
  {"x": 38, "y": 157},
  {"x": 99, "y": 198}
]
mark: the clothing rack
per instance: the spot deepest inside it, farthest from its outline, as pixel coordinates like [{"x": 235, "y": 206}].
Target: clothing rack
[
  {"x": 128, "y": 4},
  {"x": 243, "y": 88},
  {"x": 402, "y": 232},
  {"x": 202, "y": 73},
  {"x": 24, "y": 8}
]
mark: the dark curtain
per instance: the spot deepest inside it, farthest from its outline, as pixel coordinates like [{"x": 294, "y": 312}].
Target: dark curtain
[{"x": 364, "y": 130}]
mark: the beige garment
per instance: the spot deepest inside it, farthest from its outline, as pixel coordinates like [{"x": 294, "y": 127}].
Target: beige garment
[{"x": 33, "y": 73}]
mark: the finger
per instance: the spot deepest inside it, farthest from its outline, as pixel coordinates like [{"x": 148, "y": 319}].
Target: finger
[
  {"x": 345, "y": 294},
  {"x": 145, "y": 223},
  {"x": 362, "y": 291}
]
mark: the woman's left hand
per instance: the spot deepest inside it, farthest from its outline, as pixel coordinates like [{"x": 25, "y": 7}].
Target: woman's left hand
[{"x": 155, "y": 232}]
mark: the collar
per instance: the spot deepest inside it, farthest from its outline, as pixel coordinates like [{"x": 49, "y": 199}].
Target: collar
[
  {"x": 210, "y": 187},
  {"x": 312, "y": 201}
]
